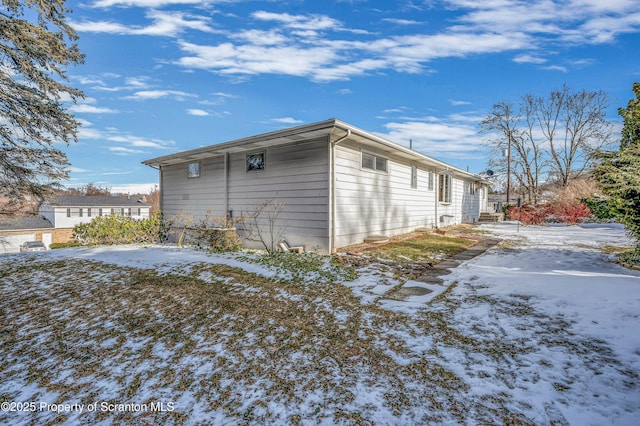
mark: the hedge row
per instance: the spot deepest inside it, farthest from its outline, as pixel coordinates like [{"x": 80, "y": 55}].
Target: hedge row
[
  {"x": 115, "y": 229},
  {"x": 549, "y": 213}
]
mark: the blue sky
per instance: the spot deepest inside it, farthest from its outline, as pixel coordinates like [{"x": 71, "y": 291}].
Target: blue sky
[{"x": 163, "y": 76}]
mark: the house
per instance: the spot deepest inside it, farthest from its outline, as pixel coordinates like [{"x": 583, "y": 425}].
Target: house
[
  {"x": 15, "y": 230},
  {"x": 339, "y": 184},
  {"x": 66, "y": 211}
]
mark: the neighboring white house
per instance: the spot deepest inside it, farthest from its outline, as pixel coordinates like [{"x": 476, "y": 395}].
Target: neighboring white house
[
  {"x": 15, "y": 230},
  {"x": 339, "y": 184},
  {"x": 65, "y": 211}
]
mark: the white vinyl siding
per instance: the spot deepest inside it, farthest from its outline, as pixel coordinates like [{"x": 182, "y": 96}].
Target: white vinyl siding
[
  {"x": 378, "y": 203},
  {"x": 294, "y": 174},
  {"x": 197, "y": 197}
]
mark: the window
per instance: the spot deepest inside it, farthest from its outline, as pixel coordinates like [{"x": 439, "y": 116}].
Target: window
[
  {"x": 373, "y": 162},
  {"x": 444, "y": 188},
  {"x": 193, "y": 170},
  {"x": 255, "y": 161},
  {"x": 469, "y": 188},
  {"x": 74, "y": 212},
  {"x": 430, "y": 181},
  {"x": 118, "y": 211},
  {"x": 134, "y": 211},
  {"x": 414, "y": 176}
]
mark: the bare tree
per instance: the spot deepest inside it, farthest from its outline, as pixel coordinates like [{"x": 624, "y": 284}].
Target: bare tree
[
  {"x": 575, "y": 127},
  {"x": 553, "y": 137},
  {"x": 512, "y": 131}
]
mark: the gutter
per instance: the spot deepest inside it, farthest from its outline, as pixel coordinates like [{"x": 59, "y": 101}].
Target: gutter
[{"x": 332, "y": 192}]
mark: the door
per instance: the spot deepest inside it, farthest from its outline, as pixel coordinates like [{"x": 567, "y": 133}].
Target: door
[{"x": 47, "y": 238}]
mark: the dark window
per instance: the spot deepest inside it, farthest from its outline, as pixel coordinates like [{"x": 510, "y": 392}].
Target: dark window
[
  {"x": 255, "y": 161},
  {"x": 373, "y": 162}
]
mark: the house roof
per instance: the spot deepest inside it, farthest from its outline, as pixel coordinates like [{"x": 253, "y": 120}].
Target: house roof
[
  {"x": 333, "y": 128},
  {"x": 16, "y": 223},
  {"x": 96, "y": 201}
]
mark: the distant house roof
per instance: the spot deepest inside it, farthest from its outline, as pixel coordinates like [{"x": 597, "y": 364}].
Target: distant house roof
[
  {"x": 17, "y": 223},
  {"x": 97, "y": 201}
]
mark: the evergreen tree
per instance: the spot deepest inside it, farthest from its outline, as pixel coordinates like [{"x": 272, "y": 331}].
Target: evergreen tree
[
  {"x": 619, "y": 172},
  {"x": 36, "y": 44}
]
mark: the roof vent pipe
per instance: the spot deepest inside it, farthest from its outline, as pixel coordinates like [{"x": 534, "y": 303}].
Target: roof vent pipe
[{"x": 411, "y": 144}]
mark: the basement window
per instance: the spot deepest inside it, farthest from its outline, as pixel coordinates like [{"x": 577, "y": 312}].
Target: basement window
[
  {"x": 193, "y": 170},
  {"x": 373, "y": 162}
]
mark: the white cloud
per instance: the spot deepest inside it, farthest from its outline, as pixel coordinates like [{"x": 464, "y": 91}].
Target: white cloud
[
  {"x": 157, "y": 94},
  {"x": 227, "y": 58},
  {"x": 301, "y": 22},
  {"x": 140, "y": 142},
  {"x": 528, "y": 59},
  {"x": 440, "y": 138},
  {"x": 197, "y": 112},
  {"x": 134, "y": 188},
  {"x": 401, "y": 21},
  {"x": 90, "y": 109},
  {"x": 77, "y": 170},
  {"x": 142, "y": 3},
  {"x": 165, "y": 24},
  {"x": 556, "y": 68},
  {"x": 287, "y": 120},
  {"x": 455, "y": 102},
  {"x": 120, "y": 150}
]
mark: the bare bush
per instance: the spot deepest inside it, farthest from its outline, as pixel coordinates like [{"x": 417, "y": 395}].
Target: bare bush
[
  {"x": 264, "y": 224},
  {"x": 575, "y": 190}
]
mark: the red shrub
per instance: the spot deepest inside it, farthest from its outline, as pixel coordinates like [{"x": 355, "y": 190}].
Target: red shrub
[{"x": 546, "y": 213}]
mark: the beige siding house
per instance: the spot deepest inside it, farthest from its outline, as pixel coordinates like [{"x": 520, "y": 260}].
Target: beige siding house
[{"x": 339, "y": 184}]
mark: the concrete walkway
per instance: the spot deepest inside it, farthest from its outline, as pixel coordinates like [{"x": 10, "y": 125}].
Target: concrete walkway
[{"x": 432, "y": 275}]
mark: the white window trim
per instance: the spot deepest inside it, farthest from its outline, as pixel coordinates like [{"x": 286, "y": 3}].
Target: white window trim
[
  {"x": 414, "y": 176},
  {"x": 191, "y": 175},
  {"x": 449, "y": 193},
  {"x": 375, "y": 157}
]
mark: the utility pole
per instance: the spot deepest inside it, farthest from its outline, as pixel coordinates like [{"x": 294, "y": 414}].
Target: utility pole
[{"x": 509, "y": 168}]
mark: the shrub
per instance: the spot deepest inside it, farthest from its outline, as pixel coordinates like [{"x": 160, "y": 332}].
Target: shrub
[
  {"x": 116, "y": 229},
  {"x": 600, "y": 207},
  {"x": 217, "y": 234},
  {"x": 64, "y": 245},
  {"x": 218, "y": 239},
  {"x": 546, "y": 213}
]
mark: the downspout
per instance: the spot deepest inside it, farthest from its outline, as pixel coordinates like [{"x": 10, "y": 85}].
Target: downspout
[
  {"x": 161, "y": 190},
  {"x": 332, "y": 197},
  {"x": 226, "y": 184},
  {"x": 159, "y": 169},
  {"x": 436, "y": 183}
]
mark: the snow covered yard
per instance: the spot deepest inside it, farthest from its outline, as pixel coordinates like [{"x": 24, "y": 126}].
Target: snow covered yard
[{"x": 542, "y": 329}]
